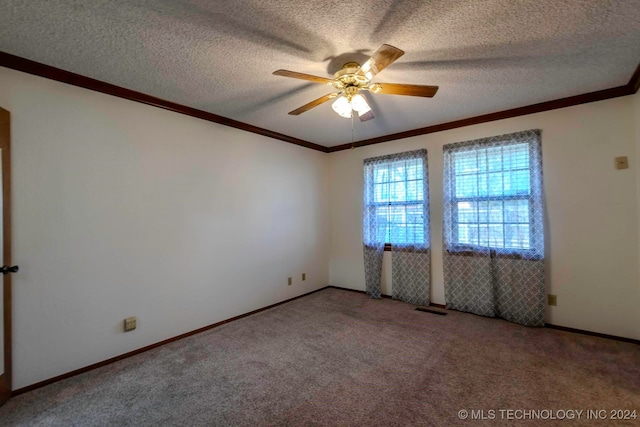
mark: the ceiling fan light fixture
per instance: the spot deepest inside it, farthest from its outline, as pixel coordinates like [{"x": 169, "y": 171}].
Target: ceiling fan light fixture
[
  {"x": 342, "y": 106},
  {"x": 359, "y": 103}
]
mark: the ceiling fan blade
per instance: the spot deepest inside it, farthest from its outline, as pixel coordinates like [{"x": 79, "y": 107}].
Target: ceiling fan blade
[
  {"x": 314, "y": 103},
  {"x": 302, "y": 76},
  {"x": 381, "y": 59},
  {"x": 411, "y": 90}
]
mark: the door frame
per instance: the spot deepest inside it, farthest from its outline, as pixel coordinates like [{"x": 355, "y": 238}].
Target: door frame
[{"x": 5, "y": 146}]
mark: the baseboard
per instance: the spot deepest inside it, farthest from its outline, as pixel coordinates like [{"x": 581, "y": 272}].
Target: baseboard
[
  {"x": 593, "y": 334},
  {"x": 547, "y": 325},
  {"x": 383, "y": 296},
  {"x": 355, "y": 290},
  {"x": 147, "y": 348},
  {"x": 4, "y": 393}
]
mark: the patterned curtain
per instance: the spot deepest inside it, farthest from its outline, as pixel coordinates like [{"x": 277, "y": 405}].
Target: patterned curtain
[
  {"x": 396, "y": 211},
  {"x": 493, "y": 227},
  {"x": 374, "y": 226}
]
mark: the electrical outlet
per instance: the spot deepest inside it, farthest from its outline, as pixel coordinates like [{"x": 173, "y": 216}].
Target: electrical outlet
[
  {"x": 622, "y": 162},
  {"x": 290, "y": 281},
  {"x": 304, "y": 276},
  {"x": 129, "y": 324},
  {"x": 552, "y": 299}
]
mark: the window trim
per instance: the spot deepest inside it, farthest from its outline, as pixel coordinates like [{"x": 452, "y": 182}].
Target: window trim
[
  {"x": 463, "y": 249},
  {"x": 420, "y": 155}
]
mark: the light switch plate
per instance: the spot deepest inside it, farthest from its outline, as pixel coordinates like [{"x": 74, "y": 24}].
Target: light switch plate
[{"x": 622, "y": 162}]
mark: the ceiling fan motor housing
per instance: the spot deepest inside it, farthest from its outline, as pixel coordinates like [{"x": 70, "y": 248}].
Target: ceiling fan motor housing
[{"x": 347, "y": 80}]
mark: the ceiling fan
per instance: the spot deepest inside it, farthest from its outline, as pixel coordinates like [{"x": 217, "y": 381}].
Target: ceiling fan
[{"x": 354, "y": 78}]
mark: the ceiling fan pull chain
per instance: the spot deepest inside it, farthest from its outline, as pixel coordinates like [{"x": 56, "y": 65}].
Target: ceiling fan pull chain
[{"x": 352, "y": 140}]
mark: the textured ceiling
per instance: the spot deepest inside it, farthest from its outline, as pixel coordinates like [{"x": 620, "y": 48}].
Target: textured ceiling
[{"x": 218, "y": 56}]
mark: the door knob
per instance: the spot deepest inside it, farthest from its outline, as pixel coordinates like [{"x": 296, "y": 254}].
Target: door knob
[{"x": 5, "y": 269}]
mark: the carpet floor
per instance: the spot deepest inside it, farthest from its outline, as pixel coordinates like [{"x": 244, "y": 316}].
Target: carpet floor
[{"x": 338, "y": 358}]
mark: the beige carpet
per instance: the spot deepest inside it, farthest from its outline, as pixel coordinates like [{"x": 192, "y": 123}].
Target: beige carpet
[{"x": 338, "y": 358}]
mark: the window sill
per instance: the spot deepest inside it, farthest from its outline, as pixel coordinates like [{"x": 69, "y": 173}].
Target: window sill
[
  {"x": 493, "y": 253},
  {"x": 388, "y": 248}
]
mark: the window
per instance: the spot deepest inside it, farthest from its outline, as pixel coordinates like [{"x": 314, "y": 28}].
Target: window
[
  {"x": 491, "y": 192},
  {"x": 396, "y": 193}
]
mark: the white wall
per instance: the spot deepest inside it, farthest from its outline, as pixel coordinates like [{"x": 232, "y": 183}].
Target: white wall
[
  {"x": 591, "y": 211},
  {"x": 122, "y": 209}
]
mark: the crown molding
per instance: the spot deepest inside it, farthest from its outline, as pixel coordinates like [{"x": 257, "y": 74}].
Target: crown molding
[
  {"x": 634, "y": 83},
  {"x": 628, "y": 89},
  {"x": 31, "y": 67}
]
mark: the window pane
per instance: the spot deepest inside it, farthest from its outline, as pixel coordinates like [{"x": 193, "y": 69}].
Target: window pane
[
  {"x": 398, "y": 192},
  {"x": 492, "y": 186},
  {"x": 380, "y": 193},
  {"x": 415, "y": 233},
  {"x": 483, "y": 234},
  {"x": 516, "y": 211},
  {"x": 466, "y": 186},
  {"x": 494, "y": 158},
  {"x": 468, "y": 234},
  {"x": 381, "y": 215},
  {"x": 483, "y": 185},
  {"x": 397, "y": 214},
  {"x": 496, "y": 236},
  {"x": 398, "y": 172},
  {"x": 467, "y": 212},
  {"x": 414, "y": 214},
  {"x": 516, "y": 183},
  {"x": 494, "y": 224},
  {"x": 482, "y": 161},
  {"x": 420, "y": 190},
  {"x": 495, "y": 184},
  {"x": 415, "y": 171},
  {"x": 517, "y": 236},
  {"x": 473, "y": 234},
  {"x": 398, "y": 234},
  {"x": 380, "y": 174},
  {"x": 495, "y": 212},
  {"x": 466, "y": 162},
  {"x": 516, "y": 157},
  {"x": 414, "y": 190},
  {"x": 483, "y": 211}
]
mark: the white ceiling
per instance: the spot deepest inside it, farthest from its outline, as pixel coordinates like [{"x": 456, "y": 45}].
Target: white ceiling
[{"x": 218, "y": 56}]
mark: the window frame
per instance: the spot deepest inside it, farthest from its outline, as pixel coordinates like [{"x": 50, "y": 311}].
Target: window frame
[
  {"x": 455, "y": 247},
  {"x": 373, "y": 207}
]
